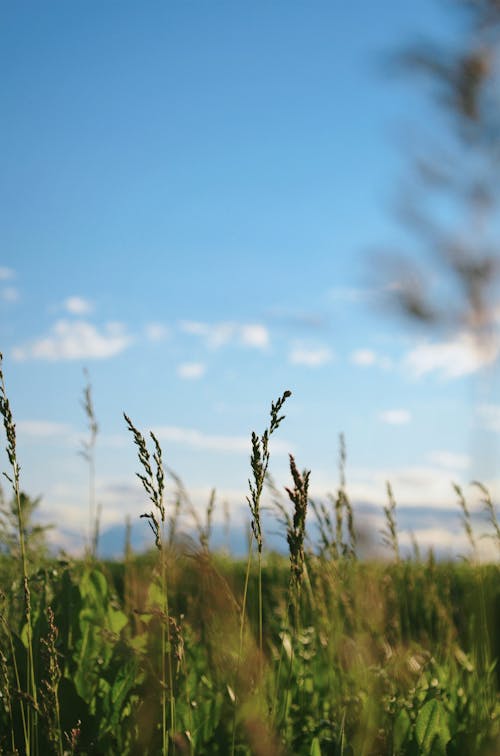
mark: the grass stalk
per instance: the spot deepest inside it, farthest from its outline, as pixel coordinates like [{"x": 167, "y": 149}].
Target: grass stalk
[
  {"x": 299, "y": 496},
  {"x": 50, "y": 695},
  {"x": 88, "y": 453},
  {"x": 466, "y": 519},
  {"x": 259, "y": 462},
  {"x": 14, "y": 480},
  {"x": 154, "y": 485},
  {"x": 482, "y": 643},
  {"x": 17, "y": 680},
  {"x": 390, "y": 534},
  {"x": 490, "y": 511}
]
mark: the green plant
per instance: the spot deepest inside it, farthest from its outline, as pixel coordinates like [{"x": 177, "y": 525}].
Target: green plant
[
  {"x": 148, "y": 655},
  {"x": 88, "y": 453},
  {"x": 259, "y": 462},
  {"x": 390, "y": 534},
  {"x": 29, "y": 706},
  {"x": 154, "y": 485}
]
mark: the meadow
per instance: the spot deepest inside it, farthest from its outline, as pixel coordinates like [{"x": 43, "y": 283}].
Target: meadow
[{"x": 182, "y": 650}]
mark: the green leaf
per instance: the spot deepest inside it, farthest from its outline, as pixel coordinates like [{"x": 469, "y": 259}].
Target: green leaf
[
  {"x": 93, "y": 585},
  {"x": 315, "y": 747},
  {"x": 139, "y": 643},
  {"x": 156, "y": 596},
  {"x": 122, "y": 686},
  {"x": 87, "y": 615},
  {"x": 432, "y": 726},
  {"x": 401, "y": 729},
  {"x": 116, "y": 620}
]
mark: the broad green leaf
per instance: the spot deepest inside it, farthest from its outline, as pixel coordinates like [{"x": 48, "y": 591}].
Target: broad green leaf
[
  {"x": 124, "y": 682},
  {"x": 87, "y": 615},
  {"x": 139, "y": 642},
  {"x": 116, "y": 620},
  {"x": 315, "y": 748},
  {"x": 94, "y": 587},
  {"x": 431, "y": 725},
  {"x": 401, "y": 729},
  {"x": 155, "y": 595}
]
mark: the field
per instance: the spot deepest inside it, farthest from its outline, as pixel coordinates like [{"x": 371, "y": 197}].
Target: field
[{"x": 185, "y": 651}]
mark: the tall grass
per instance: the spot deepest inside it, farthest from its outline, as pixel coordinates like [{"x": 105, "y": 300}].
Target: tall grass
[
  {"x": 259, "y": 462},
  {"x": 88, "y": 453},
  {"x": 154, "y": 485},
  {"x": 28, "y": 706},
  {"x": 183, "y": 650}
]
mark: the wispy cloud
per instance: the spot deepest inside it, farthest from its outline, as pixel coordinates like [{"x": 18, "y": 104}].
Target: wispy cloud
[
  {"x": 9, "y": 294},
  {"x": 413, "y": 486},
  {"x": 451, "y": 359},
  {"x": 363, "y": 357},
  {"x": 489, "y": 417},
  {"x": 350, "y": 294},
  {"x": 43, "y": 428},
  {"x": 254, "y": 335},
  {"x": 216, "y": 335},
  {"x": 449, "y": 460},
  {"x": 6, "y": 274},
  {"x": 78, "y": 306},
  {"x": 120, "y": 497},
  {"x": 75, "y": 340},
  {"x": 196, "y": 439},
  {"x": 395, "y": 417},
  {"x": 451, "y": 541},
  {"x": 191, "y": 370},
  {"x": 312, "y": 357},
  {"x": 369, "y": 358},
  {"x": 295, "y": 319},
  {"x": 156, "y": 332}
]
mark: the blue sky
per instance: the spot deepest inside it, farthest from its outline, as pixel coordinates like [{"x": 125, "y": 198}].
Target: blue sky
[{"x": 192, "y": 195}]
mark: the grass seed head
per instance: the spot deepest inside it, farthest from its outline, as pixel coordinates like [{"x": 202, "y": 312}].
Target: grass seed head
[
  {"x": 259, "y": 462},
  {"x": 299, "y": 496},
  {"x": 153, "y": 483}
]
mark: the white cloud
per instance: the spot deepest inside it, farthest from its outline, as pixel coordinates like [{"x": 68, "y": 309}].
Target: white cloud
[
  {"x": 369, "y": 358},
  {"x": 196, "y": 439},
  {"x": 395, "y": 417},
  {"x": 312, "y": 357},
  {"x": 454, "y": 358},
  {"x": 363, "y": 357},
  {"x": 454, "y": 542},
  {"x": 450, "y": 460},
  {"x": 76, "y": 340},
  {"x": 119, "y": 498},
  {"x": 9, "y": 294},
  {"x": 255, "y": 336},
  {"x": 191, "y": 370},
  {"x": 43, "y": 429},
  {"x": 216, "y": 335},
  {"x": 156, "y": 332},
  {"x": 350, "y": 294},
  {"x": 78, "y": 306},
  {"x": 413, "y": 486},
  {"x": 489, "y": 416},
  {"x": 6, "y": 274}
]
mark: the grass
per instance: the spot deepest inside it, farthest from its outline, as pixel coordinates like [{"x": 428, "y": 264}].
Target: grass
[{"x": 185, "y": 651}]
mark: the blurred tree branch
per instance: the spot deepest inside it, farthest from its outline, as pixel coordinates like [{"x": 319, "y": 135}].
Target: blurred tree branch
[{"x": 450, "y": 210}]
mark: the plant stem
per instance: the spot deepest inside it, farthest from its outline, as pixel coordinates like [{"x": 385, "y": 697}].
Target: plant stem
[{"x": 31, "y": 690}]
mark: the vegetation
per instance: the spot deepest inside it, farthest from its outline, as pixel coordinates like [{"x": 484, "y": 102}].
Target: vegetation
[{"x": 184, "y": 651}]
